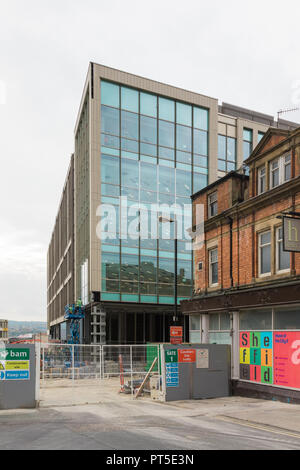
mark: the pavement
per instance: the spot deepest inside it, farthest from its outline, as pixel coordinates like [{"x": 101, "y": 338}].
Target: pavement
[{"x": 95, "y": 416}]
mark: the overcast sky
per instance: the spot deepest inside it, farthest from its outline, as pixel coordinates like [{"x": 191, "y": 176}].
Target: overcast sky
[{"x": 241, "y": 52}]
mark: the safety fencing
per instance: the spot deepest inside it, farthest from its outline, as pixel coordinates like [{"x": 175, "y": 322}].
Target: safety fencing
[{"x": 67, "y": 364}]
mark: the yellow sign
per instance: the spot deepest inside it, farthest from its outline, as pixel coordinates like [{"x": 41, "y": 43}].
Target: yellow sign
[{"x": 17, "y": 365}]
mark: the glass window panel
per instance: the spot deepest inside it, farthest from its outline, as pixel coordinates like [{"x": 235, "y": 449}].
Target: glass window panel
[
  {"x": 247, "y": 149},
  {"x": 148, "y": 245},
  {"x": 110, "y": 94},
  {"x": 110, "y": 286},
  {"x": 125, "y": 154},
  {"x": 110, "y": 120},
  {"x": 148, "y": 176},
  {"x": 222, "y": 147},
  {"x": 283, "y": 256},
  {"x": 166, "y": 199},
  {"x": 111, "y": 297},
  {"x": 166, "y": 109},
  {"x": 200, "y": 182},
  {"x": 129, "y": 298},
  {"x": 110, "y": 141},
  {"x": 184, "y": 272},
  {"x": 130, "y": 268},
  {"x": 184, "y": 138},
  {"x": 201, "y": 118},
  {"x": 166, "y": 180},
  {"x": 109, "y": 151},
  {"x": 130, "y": 173},
  {"x": 109, "y": 190},
  {"x": 201, "y": 161},
  {"x": 169, "y": 154},
  {"x": 220, "y": 338},
  {"x": 275, "y": 178},
  {"x": 166, "y": 134},
  {"x": 194, "y": 322},
  {"x": 287, "y": 318},
  {"x": 148, "y": 130},
  {"x": 167, "y": 245},
  {"x": 148, "y": 197},
  {"x": 148, "y": 104},
  {"x": 147, "y": 288},
  {"x": 183, "y": 183},
  {"x": 287, "y": 172},
  {"x": 165, "y": 289},
  {"x": 166, "y": 300},
  {"x": 148, "y": 269},
  {"x": 265, "y": 260},
  {"x": 200, "y": 142},
  {"x": 184, "y": 114},
  {"x": 130, "y": 246},
  {"x": 130, "y": 193},
  {"x": 110, "y": 263},
  {"x": 231, "y": 166},
  {"x": 265, "y": 238},
  {"x": 149, "y": 299},
  {"x": 214, "y": 323},
  {"x": 130, "y": 99},
  {"x": 247, "y": 135},
  {"x": 184, "y": 291},
  {"x": 107, "y": 245},
  {"x": 130, "y": 287},
  {"x": 149, "y": 149},
  {"x": 130, "y": 145},
  {"x": 130, "y": 125},
  {"x": 167, "y": 163},
  {"x": 224, "y": 321},
  {"x": 184, "y": 157},
  {"x": 110, "y": 169},
  {"x": 231, "y": 149},
  {"x": 166, "y": 271},
  {"x": 260, "y": 135},
  {"x": 256, "y": 320},
  {"x": 194, "y": 337}
]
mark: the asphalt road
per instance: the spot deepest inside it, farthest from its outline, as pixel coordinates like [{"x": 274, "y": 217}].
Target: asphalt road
[{"x": 100, "y": 427}]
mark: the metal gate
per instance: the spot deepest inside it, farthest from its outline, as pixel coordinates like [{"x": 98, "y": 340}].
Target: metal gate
[{"x": 66, "y": 364}]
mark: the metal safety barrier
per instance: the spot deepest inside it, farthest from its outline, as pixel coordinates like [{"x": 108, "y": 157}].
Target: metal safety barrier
[{"x": 67, "y": 364}]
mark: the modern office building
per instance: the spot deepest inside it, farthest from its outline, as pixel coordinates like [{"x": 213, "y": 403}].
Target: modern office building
[
  {"x": 150, "y": 143},
  {"x": 247, "y": 270}
]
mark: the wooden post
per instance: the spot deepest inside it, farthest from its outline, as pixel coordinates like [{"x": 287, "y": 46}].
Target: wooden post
[{"x": 146, "y": 378}]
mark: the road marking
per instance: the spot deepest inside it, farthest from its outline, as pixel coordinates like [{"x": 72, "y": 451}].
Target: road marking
[{"x": 256, "y": 426}]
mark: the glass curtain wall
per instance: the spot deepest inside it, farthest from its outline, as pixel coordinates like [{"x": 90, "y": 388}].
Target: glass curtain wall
[{"x": 154, "y": 150}]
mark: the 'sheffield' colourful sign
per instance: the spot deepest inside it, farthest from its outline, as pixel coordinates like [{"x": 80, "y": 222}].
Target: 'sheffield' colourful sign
[
  {"x": 256, "y": 356},
  {"x": 271, "y": 357}
]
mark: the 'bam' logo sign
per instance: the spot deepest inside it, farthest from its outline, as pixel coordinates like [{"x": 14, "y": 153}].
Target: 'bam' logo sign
[{"x": 291, "y": 234}]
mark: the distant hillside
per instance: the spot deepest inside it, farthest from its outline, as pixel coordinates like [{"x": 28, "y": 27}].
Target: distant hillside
[{"x": 16, "y": 328}]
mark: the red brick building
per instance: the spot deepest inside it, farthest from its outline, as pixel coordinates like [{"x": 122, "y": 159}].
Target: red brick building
[{"x": 247, "y": 288}]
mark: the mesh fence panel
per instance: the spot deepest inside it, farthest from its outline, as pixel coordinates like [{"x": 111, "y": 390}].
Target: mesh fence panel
[{"x": 127, "y": 363}]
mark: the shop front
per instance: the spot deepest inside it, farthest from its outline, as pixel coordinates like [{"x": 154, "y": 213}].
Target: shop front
[{"x": 264, "y": 339}]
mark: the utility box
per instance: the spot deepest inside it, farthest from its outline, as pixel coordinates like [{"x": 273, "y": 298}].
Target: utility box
[
  {"x": 196, "y": 371},
  {"x": 18, "y": 376}
]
